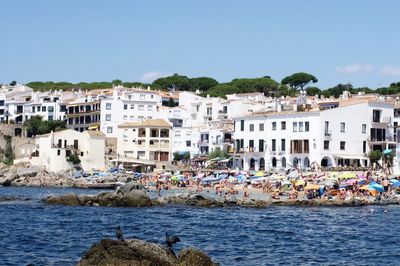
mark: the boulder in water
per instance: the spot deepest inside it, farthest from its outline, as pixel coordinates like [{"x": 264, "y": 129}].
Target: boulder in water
[
  {"x": 194, "y": 257},
  {"x": 132, "y": 252}
]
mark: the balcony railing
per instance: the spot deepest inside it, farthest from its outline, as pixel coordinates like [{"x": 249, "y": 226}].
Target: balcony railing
[{"x": 382, "y": 120}]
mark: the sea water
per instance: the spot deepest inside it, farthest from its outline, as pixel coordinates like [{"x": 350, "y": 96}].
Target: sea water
[{"x": 34, "y": 233}]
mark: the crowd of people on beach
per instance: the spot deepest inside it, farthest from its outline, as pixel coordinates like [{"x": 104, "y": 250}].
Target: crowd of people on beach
[{"x": 289, "y": 185}]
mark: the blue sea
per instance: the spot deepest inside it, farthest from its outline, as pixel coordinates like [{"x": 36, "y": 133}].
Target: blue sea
[{"x": 37, "y": 234}]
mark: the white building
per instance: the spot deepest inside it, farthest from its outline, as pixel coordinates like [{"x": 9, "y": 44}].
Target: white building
[
  {"x": 149, "y": 140},
  {"x": 54, "y": 149},
  {"x": 326, "y": 135},
  {"x": 128, "y": 105}
]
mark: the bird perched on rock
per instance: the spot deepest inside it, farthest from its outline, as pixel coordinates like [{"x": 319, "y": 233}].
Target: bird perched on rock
[
  {"x": 118, "y": 233},
  {"x": 170, "y": 240}
]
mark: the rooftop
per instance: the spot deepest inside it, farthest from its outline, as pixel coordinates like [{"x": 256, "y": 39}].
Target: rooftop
[{"x": 147, "y": 123}]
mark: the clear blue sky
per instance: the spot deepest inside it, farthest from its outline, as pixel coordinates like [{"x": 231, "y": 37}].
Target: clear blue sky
[{"x": 354, "y": 41}]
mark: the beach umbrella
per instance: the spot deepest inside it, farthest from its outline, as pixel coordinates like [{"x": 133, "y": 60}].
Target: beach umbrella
[
  {"x": 300, "y": 183},
  {"x": 387, "y": 151},
  {"x": 312, "y": 187},
  {"x": 175, "y": 178},
  {"x": 362, "y": 181},
  {"x": 365, "y": 187},
  {"x": 259, "y": 173},
  {"x": 395, "y": 182},
  {"x": 375, "y": 186},
  {"x": 348, "y": 175},
  {"x": 351, "y": 181}
]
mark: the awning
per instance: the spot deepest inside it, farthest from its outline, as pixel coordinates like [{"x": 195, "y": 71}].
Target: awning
[
  {"x": 132, "y": 160},
  {"x": 355, "y": 157},
  {"x": 225, "y": 160}
]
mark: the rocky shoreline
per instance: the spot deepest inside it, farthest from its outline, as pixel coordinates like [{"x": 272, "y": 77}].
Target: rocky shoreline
[
  {"x": 23, "y": 174},
  {"x": 132, "y": 252},
  {"x": 134, "y": 195}
]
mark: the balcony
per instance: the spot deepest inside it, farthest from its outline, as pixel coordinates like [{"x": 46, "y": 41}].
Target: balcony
[
  {"x": 204, "y": 142},
  {"x": 381, "y": 140},
  {"x": 382, "y": 120}
]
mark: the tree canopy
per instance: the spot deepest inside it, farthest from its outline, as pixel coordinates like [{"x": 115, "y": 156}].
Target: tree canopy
[
  {"x": 180, "y": 83},
  {"x": 299, "y": 80},
  {"x": 36, "y": 125},
  {"x": 202, "y": 83}
]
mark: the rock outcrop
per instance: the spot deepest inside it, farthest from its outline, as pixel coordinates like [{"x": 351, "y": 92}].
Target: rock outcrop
[
  {"x": 191, "y": 199},
  {"x": 135, "y": 252},
  {"x": 130, "y": 198}
]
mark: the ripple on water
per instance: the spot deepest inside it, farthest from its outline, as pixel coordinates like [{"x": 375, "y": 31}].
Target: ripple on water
[{"x": 31, "y": 232}]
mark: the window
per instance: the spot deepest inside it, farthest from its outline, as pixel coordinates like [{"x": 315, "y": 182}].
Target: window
[
  {"x": 283, "y": 145},
  {"x": 364, "y": 146},
  {"x": 342, "y": 127},
  {"x": 43, "y": 108},
  {"x": 108, "y": 117},
  {"x": 149, "y": 107},
  {"x": 307, "y": 126},
  {"x": 58, "y": 152},
  {"x": 108, "y": 106},
  {"x": 125, "y": 107},
  {"x": 327, "y": 133},
  {"x": 294, "y": 126},
  {"x": 301, "y": 126},
  {"x": 251, "y": 127},
  {"x": 261, "y": 145},
  {"x": 132, "y": 106},
  {"x": 149, "y": 117},
  {"x": 125, "y": 117},
  {"x": 261, "y": 127},
  {"x": 188, "y": 143},
  {"x": 251, "y": 143},
  {"x": 274, "y": 145},
  {"x": 33, "y": 109},
  {"x": 177, "y": 133},
  {"x": 363, "y": 128},
  {"x": 273, "y": 125},
  {"x": 109, "y": 130},
  {"x": 132, "y": 118},
  {"x": 51, "y": 109},
  {"x": 142, "y": 96},
  {"x": 326, "y": 144},
  {"x": 140, "y": 118},
  {"x": 342, "y": 145},
  {"x": 241, "y": 125},
  {"x": 152, "y": 96},
  {"x": 283, "y": 125},
  {"x": 376, "y": 116},
  {"x": 141, "y": 153},
  {"x": 141, "y": 107}
]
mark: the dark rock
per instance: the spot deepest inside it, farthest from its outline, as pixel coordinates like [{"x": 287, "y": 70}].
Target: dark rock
[
  {"x": 128, "y": 187},
  {"x": 68, "y": 199},
  {"x": 129, "y": 252},
  {"x": 201, "y": 200},
  {"x": 194, "y": 257},
  {"x": 134, "y": 198}
]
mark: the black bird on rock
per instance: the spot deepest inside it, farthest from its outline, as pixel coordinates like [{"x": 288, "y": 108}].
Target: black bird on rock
[
  {"x": 118, "y": 233},
  {"x": 171, "y": 240}
]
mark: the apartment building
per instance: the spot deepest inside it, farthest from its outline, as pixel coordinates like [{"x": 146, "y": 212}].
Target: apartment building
[
  {"x": 128, "y": 105},
  {"x": 149, "y": 140},
  {"x": 82, "y": 113},
  {"x": 330, "y": 134},
  {"x": 53, "y": 149}
]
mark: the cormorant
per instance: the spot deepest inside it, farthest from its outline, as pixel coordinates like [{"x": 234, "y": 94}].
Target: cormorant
[
  {"x": 170, "y": 240},
  {"x": 118, "y": 233}
]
